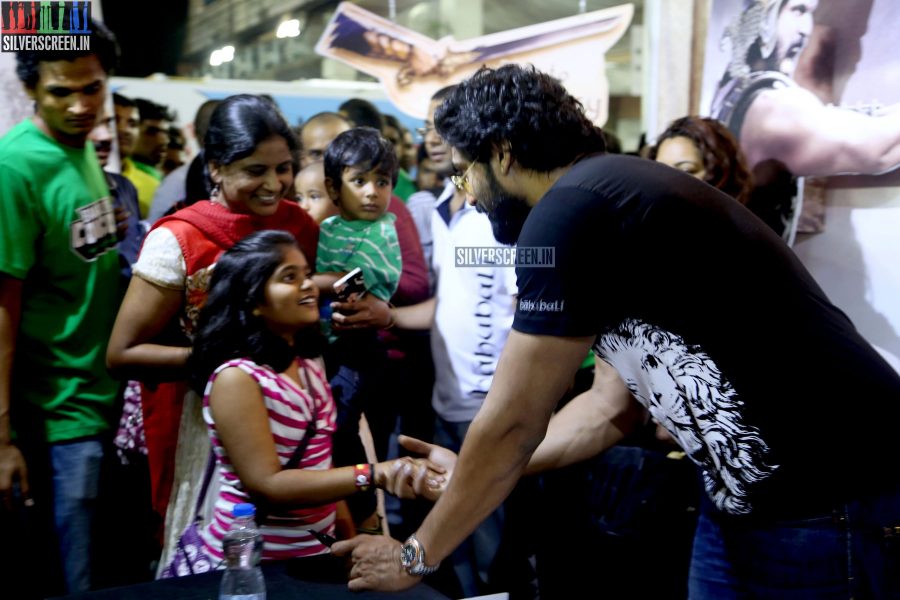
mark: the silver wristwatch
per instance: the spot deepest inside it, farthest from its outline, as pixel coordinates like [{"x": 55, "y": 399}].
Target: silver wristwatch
[{"x": 412, "y": 558}]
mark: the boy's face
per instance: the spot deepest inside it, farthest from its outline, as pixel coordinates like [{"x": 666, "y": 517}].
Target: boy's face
[
  {"x": 364, "y": 195},
  {"x": 312, "y": 196}
]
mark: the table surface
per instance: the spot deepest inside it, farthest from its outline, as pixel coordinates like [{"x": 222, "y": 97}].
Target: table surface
[{"x": 314, "y": 578}]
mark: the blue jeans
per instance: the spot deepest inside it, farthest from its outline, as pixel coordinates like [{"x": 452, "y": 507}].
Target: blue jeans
[
  {"x": 851, "y": 552},
  {"x": 76, "y": 480}
]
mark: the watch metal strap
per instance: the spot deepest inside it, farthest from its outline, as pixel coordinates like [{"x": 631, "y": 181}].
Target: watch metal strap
[{"x": 417, "y": 565}]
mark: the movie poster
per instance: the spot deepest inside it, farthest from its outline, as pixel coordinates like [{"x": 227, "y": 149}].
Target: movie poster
[
  {"x": 813, "y": 84},
  {"x": 813, "y": 87},
  {"x": 412, "y": 66}
]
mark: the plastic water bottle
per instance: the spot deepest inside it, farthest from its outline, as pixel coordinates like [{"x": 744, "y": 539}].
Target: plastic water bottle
[{"x": 242, "y": 546}]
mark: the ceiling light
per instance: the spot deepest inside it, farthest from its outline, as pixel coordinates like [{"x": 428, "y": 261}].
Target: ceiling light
[
  {"x": 222, "y": 55},
  {"x": 290, "y": 28}
]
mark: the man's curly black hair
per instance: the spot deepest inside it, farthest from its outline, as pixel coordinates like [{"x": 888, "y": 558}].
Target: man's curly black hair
[{"x": 545, "y": 126}]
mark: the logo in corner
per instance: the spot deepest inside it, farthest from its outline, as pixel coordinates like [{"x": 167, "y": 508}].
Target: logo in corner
[{"x": 45, "y": 26}]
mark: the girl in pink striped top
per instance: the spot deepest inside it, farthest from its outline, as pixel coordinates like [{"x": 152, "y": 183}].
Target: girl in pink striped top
[{"x": 257, "y": 349}]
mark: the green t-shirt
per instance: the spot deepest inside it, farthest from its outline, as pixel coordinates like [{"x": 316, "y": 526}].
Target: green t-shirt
[
  {"x": 405, "y": 186},
  {"x": 370, "y": 245},
  {"x": 58, "y": 235}
]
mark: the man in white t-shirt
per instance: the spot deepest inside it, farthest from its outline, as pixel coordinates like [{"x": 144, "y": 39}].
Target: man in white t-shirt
[{"x": 473, "y": 310}]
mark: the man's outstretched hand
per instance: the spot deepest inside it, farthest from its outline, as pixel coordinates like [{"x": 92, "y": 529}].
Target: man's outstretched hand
[{"x": 430, "y": 475}]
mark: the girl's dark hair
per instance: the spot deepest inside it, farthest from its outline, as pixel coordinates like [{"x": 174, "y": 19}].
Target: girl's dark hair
[
  {"x": 227, "y": 327},
  {"x": 724, "y": 161},
  {"x": 238, "y": 125},
  {"x": 363, "y": 148}
]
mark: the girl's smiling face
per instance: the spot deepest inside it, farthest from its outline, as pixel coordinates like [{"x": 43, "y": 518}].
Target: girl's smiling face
[{"x": 291, "y": 297}]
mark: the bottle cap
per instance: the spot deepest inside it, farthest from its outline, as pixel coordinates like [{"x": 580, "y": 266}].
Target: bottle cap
[{"x": 243, "y": 510}]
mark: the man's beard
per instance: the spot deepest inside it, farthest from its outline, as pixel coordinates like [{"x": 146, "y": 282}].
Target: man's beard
[{"x": 506, "y": 212}]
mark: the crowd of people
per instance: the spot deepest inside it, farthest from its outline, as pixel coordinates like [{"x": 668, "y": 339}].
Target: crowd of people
[{"x": 179, "y": 323}]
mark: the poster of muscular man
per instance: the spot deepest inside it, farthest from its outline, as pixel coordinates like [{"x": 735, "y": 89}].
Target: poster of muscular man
[
  {"x": 812, "y": 87},
  {"x": 813, "y": 84}
]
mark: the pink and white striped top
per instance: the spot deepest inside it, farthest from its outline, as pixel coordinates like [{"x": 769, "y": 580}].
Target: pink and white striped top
[{"x": 286, "y": 532}]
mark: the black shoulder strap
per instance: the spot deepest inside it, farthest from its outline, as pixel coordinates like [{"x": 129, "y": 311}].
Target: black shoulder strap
[
  {"x": 207, "y": 479},
  {"x": 300, "y": 450},
  {"x": 297, "y": 456}
]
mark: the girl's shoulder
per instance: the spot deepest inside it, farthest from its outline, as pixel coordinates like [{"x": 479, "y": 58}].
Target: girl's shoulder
[{"x": 245, "y": 365}]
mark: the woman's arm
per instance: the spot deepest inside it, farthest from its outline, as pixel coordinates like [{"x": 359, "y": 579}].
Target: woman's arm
[{"x": 146, "y": 311}]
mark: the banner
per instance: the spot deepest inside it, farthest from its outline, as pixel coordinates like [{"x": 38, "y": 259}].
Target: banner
[
  {"x": 812, "y": 84},
  {"x": 814, "y": 87},
  {"x": 412, "y": 66}
]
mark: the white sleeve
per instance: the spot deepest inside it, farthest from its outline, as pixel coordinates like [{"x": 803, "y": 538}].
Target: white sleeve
[{"x": 161, "y": 261}]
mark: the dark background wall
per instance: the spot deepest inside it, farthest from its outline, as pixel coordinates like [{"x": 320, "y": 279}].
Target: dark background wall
[{"x": 150, "y": 34}]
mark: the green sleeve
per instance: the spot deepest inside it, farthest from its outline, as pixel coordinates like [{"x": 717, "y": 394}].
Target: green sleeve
[{"x": 19, "y": 225}]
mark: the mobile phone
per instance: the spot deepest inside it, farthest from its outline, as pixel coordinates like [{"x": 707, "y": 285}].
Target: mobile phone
[
  {"x": 351, "y": 286},
  {"x": 324, "y": 538}
]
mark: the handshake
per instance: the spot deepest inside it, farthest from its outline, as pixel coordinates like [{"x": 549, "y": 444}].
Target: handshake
[{"x": 424, "y": 477}]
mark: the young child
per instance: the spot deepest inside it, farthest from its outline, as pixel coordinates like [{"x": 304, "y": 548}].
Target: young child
[
  {"x": 360, "y": 172},
  {"x": 311, "y": 193}
]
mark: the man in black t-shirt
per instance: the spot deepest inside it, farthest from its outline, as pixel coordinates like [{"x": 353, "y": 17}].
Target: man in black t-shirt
[{"x": 703, "y": 318}]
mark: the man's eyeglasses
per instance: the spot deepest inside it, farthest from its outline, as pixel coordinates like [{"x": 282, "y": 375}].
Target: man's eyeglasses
[
  {"x": 462, "y": 181},
  {"x": 423, "y": 131}
]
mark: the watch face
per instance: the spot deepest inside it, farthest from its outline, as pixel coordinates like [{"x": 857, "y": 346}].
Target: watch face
[{"x": 407, "y": 554}]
